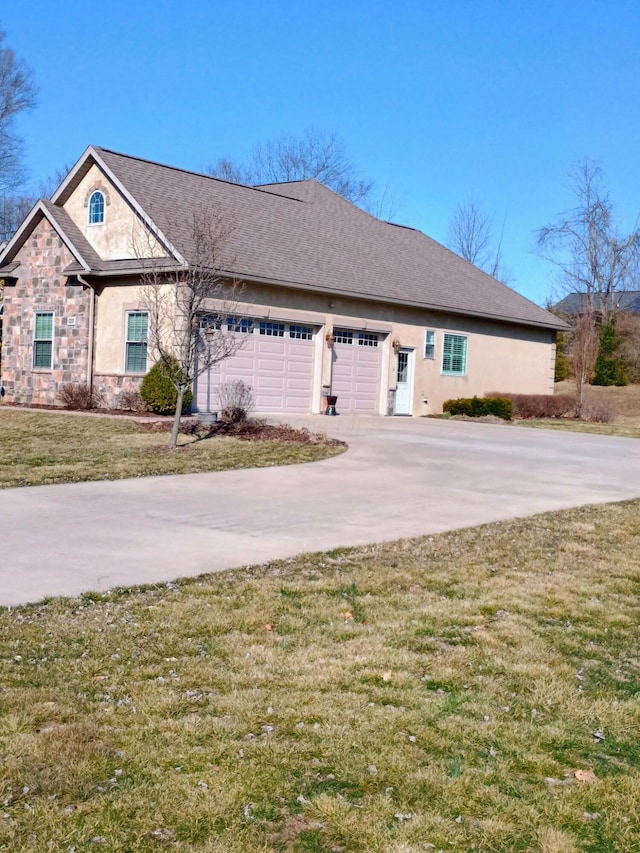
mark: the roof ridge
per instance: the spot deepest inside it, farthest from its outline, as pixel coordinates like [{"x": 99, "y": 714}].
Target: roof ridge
[{"x": 204, "y": 175}]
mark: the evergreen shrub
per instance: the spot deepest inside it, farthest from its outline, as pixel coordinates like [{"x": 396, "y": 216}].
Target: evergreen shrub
[{"x": 158, "y": 388}]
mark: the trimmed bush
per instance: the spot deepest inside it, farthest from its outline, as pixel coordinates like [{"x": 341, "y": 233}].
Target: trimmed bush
[
  {"x": 158, "y": 388},
  {"x": 542, "y": 405},
  {"x": 478, "y": 407}
]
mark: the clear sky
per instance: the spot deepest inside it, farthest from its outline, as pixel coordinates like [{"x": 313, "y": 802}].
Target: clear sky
[{"x": 438, "y": 100}]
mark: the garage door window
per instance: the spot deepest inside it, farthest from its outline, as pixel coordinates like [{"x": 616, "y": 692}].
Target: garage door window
[
  {"x": 454, "y": 355},
  {"x": 240, "y": 324},
  {"x": 365, "y": 339},
  {"x": 343, "y": 336},
  {"x": 275, "y": 330},
  {"x": 300, "y": 333}
]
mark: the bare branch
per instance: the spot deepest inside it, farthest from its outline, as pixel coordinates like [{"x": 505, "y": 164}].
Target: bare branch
[
  {"x": 586, "y": 247},
  {"x": 470, "y": 235},
  {"x": 17, "y": 94},
  {"x": 189, "y": 307},
  {"x": 314, "y": 154}
]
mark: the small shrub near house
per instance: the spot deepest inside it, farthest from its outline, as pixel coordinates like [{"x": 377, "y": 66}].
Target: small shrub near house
[
  {"x": 80, "y": 397},
  {"x": 130, "y": 400},
  {"x": 236, "y": 401},
  {"x": 478, "y": 407},
  {"x": 158, "y": 388},
  {"x": 599, "y": 410}
]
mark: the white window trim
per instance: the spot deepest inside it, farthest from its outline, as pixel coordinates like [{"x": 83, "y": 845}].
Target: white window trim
[
  {"x": 432, "y": 344},
  {"x": 127, "y": 341},
  {"x": 33, "y": 342},
  {"x": 466, "y": 354},
  {"x": 104, "y": 208}
]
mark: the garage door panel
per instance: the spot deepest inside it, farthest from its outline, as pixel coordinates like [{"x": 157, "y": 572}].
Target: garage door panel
[
  {"x": 356, "y": 377},
  {"x": 279, "y": 369}
]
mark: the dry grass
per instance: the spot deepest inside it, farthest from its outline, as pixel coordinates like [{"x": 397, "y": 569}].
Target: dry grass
[
  {"x": 44, "y": 447},
  {"x": 433, "y": 694},
  {"x": 624, "y": 403}
]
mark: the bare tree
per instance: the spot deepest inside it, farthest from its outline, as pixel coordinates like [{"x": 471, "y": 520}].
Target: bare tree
[
  {"x": 584, "y": 351},
  {"x": 189, "y": 307},
  {"x": 314, "y": 154},
  {"x": 470, "y": 235},
  {"x": 17, "y": 93},
  {"x": 13, "y": 210},
  {"x": 586, "y": 247}
]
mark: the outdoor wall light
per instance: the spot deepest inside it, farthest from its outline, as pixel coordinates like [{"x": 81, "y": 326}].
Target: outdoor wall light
[
  {"x": 396, "y": 344},
  {"x": 329, "y": 339}
]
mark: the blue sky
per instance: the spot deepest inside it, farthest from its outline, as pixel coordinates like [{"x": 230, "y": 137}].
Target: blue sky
[{"x": 437, "y": 100}]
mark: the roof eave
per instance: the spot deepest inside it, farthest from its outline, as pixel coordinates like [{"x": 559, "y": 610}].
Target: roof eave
[{"x": 555, "y": 324}]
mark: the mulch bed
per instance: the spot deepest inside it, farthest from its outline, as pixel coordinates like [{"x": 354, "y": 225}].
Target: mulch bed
[{"x": 257, "y": 429}]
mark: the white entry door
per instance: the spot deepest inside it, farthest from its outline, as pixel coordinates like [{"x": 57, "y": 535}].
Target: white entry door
[{"x": 404, "y": 383}]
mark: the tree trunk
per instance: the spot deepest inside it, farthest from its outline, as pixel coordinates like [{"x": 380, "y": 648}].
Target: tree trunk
[{"x": 173, "y": 439}]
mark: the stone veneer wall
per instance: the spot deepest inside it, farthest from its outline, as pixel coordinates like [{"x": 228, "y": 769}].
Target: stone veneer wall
[
  {"x": 41, "y": 286},
  {"x": 112, "y": 386}
]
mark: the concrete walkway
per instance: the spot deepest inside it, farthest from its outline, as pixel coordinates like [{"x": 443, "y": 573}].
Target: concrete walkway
[{"x": 400, "y": 477}]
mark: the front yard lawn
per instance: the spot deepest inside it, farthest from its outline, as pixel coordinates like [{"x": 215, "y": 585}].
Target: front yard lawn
[
  {"x": 38, "y": 448},
  {"x": 477, "y": 690}
]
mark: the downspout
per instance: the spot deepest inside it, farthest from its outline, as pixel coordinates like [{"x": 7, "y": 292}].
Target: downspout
[{"x": 90, "y": 343}]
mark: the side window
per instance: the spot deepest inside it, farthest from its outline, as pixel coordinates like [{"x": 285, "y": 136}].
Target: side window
[
  {"x": 429, "y": 344},
  {"x": 96, "y": 208},
  {"x": 43, "y": 340},
  {"x": 136, "y": 342},
  {"x": 454, "y": 354}
]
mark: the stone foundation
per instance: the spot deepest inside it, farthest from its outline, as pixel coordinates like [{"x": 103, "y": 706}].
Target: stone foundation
[{"x": 111, "y": 387}]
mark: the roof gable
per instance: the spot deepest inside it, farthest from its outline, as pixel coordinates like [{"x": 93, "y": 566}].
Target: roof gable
[{"x": 64, "y": 226}]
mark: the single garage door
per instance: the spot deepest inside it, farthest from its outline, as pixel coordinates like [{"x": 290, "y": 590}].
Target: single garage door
[
  {"x": 276, "y": 360},
  {"x": 356, "y": 371}
]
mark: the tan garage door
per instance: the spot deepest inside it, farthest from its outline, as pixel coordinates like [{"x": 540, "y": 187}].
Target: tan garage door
[
  {"x": 356, "y": 371},
  {"x": 276, "y": 360}
]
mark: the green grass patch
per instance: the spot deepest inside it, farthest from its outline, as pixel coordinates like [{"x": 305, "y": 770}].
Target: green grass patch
[
  {"x": 441, "y": 691},
  {"x": 41, "y": 448}
]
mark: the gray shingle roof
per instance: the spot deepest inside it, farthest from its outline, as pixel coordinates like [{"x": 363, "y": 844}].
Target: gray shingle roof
[
  {"x": 303, "y": 234},
  {"x": 574, "y": 303}
]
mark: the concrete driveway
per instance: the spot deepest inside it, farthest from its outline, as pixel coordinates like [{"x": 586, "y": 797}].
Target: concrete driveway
[{"x": 400, "y": 477}]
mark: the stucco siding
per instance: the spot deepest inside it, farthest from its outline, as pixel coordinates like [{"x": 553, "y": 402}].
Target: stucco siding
[{"x": 122, "y": 234}]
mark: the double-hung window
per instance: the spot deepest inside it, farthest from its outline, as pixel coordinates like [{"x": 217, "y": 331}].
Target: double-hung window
[
  {"x": 429, "y": 344},
  {"x": 454, "y": 354},
  {"x": 136, "y": 343},
  {"x": 43, "y": 340}
]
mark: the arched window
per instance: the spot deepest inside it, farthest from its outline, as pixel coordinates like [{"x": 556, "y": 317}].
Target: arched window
[{"x": 96, "y": 208}]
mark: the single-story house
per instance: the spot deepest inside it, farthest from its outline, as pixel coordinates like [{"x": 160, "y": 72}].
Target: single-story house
[{"x": 334, "y": 300}]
